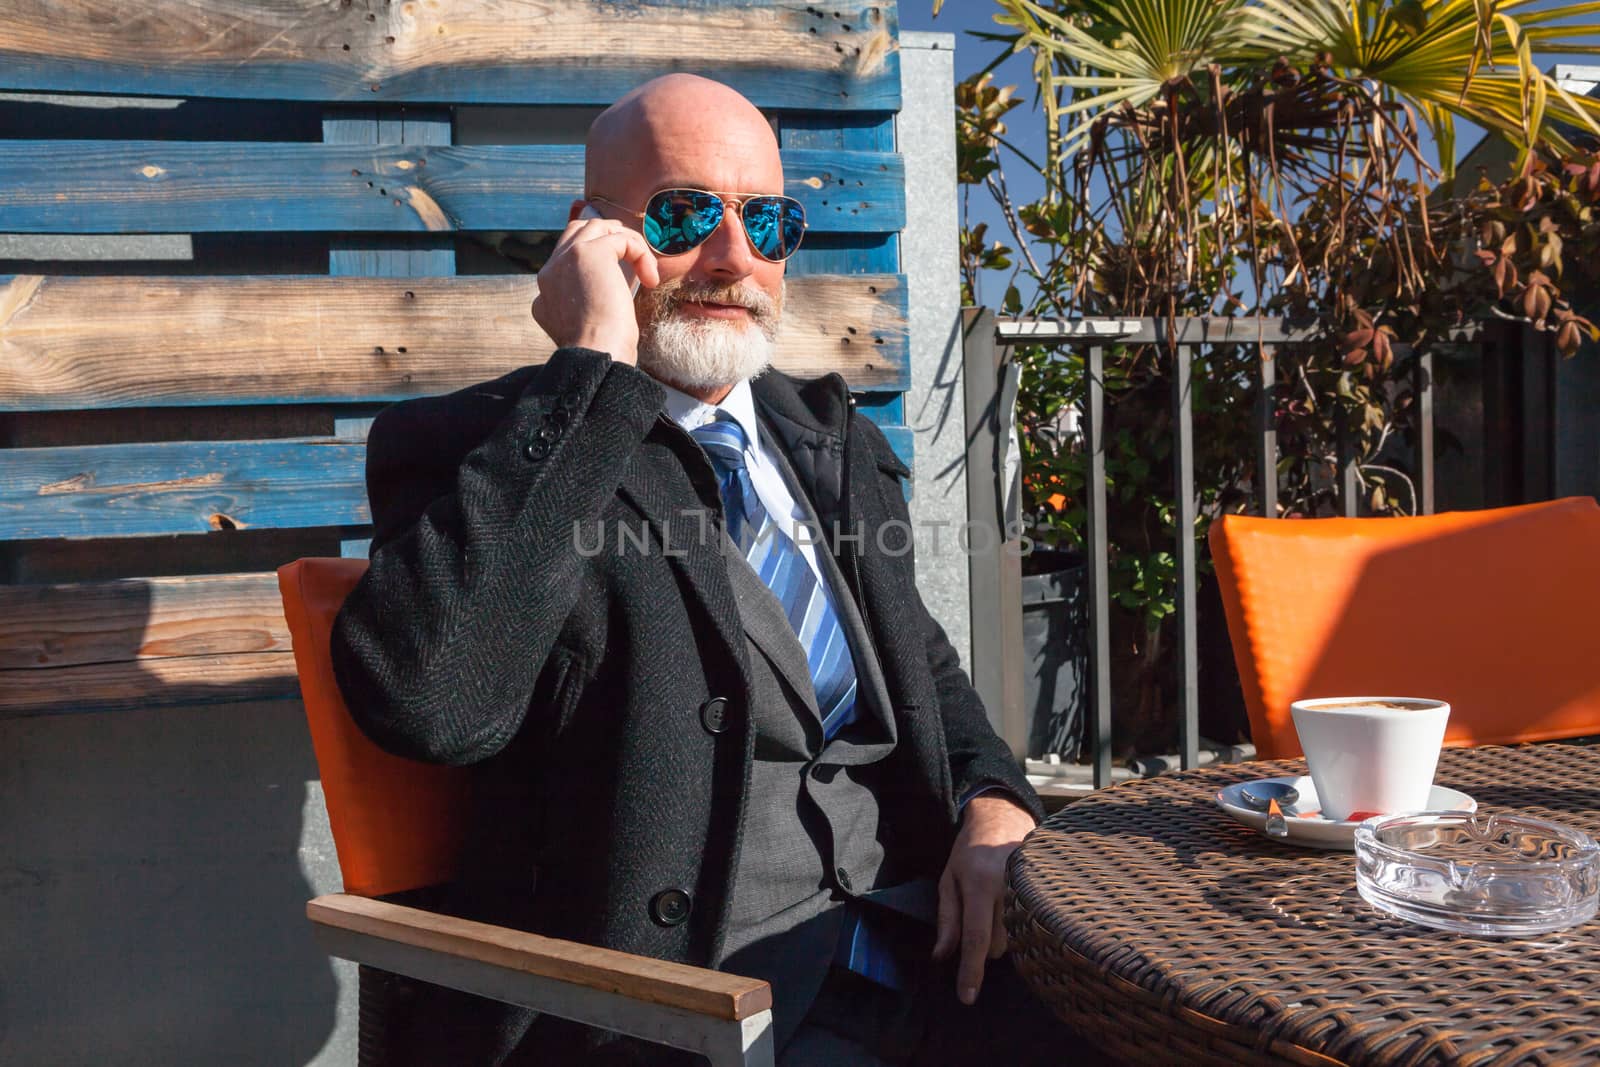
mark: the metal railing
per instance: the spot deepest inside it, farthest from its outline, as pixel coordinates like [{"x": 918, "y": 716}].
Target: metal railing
[{"x": 994, "y": 493}]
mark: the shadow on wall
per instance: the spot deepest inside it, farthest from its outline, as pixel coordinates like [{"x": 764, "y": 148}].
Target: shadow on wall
[{"x": 152, "y": 889}]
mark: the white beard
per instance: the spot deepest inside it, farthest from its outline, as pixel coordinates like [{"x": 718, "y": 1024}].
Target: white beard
[{"x": 703, "y": 354}]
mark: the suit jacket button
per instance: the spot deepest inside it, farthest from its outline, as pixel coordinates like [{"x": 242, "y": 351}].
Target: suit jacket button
[
  {"x": 714, "y": 715},
  {"x": 560, "y": 418},
  {"x": 670, "y": 907},
  {"x": 844, "y": 878},
  {"x": 536, "y": 449}
]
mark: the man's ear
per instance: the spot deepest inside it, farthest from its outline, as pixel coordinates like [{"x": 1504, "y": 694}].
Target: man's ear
[{"x": 576, "y": 209}]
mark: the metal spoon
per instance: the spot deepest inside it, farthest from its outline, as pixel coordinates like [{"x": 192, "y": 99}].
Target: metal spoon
[{"x": 1261, "y": 795}]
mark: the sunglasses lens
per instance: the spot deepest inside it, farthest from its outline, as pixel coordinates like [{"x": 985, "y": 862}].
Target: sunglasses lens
[
  {"x": 676, "y": 220},
  {"x": 775, "y": 225}
]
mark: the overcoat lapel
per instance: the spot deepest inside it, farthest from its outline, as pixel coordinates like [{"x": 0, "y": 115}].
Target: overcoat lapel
[{"x": 671, "y": 485}]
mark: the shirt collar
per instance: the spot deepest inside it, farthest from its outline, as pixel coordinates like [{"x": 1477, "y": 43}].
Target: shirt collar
[{"x": 689, "y": 412}]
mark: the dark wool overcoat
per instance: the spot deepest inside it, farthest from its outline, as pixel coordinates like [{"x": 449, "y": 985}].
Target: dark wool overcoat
[{"x": 543, "y": 600}]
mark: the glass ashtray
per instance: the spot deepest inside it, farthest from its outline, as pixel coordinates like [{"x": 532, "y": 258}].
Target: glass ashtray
[{"x": 1502, "y": 875}]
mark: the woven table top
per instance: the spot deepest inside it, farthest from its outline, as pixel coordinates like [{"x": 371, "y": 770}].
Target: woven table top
[{"x": 1168, "y": 932}]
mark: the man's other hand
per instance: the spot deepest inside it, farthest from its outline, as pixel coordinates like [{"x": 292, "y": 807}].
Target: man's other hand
[
  {"x": 584, "y": 299},
  {"x": 972, "y": 889}
]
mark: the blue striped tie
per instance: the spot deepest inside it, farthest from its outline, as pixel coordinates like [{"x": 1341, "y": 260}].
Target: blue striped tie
[{"x": 782, "y": 566}]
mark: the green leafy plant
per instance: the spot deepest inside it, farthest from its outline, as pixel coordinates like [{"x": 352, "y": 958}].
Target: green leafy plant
[{"x": 1264, "y": 157}]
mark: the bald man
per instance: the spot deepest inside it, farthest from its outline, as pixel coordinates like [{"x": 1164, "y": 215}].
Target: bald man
[{"x": 703, "y": 732}]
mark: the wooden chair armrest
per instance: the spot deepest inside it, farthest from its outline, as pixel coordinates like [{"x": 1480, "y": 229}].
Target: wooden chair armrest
[{"x": 675, "y": 985}]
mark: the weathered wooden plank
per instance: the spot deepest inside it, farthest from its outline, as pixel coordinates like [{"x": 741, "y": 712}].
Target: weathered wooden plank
[
  {"x": 378, "y": 255},
  {"x": 779, "y": 53},
  {"x": 87, "y": 342},
  {"x": 47, "y": 627},
  {"x": 832, "y": 130},
  {"x": 198, "y": 187},
  {"x": 389, "y": 256},
  {"x": 843, "y": 253},
  {"x": 154, "y": 683},
  {"x": 180, "y": 487}
]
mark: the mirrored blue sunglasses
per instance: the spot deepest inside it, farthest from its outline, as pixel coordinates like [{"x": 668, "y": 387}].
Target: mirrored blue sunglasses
[{"x": 678, "y": 220}]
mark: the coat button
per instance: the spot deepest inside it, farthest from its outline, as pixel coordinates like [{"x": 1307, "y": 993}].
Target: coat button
[
  {"x": 844, "y": 878},
  {"x": 536, "y": 449},
  {"x": 714, "y": 715},
  {"x": 560, "y": 418},
  {"x": 670, "y": 907}
]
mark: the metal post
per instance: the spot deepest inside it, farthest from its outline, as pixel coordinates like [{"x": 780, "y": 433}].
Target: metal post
[
  {"x": 1099, "y": 604},
  {"x": 994, "y": 563},
  {"x": 1267, "y": 430},
  {"x": 1349, "y": 480},
  {"x": 1183, "y": 464},
  {"x": 1538, "y": 408},
  {"x": 1423, "y": 390}
]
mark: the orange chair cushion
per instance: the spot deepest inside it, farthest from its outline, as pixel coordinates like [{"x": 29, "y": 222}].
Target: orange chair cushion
[
  {"x": 1490, "y": 610},
  {"x": 397, "y": 824}
]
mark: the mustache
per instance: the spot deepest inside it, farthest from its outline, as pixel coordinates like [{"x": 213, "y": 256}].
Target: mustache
[{"x": 668, "y": 297}]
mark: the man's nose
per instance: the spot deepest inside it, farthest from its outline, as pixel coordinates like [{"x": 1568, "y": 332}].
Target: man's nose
[{"x": 726, "y": 254}]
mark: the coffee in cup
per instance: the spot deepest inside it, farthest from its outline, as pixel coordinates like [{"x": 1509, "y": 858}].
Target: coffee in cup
[{"x": 1371, "y": 754}]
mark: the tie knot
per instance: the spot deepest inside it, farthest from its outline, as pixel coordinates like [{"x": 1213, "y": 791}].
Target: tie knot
[{"x": 724, "y": 441}]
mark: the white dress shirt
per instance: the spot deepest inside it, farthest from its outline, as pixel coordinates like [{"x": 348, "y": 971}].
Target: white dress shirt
[{"x": 690, "y": 412}]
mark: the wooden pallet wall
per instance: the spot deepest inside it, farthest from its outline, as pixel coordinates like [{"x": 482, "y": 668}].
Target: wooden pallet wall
[{"x": 166, "y": 438}]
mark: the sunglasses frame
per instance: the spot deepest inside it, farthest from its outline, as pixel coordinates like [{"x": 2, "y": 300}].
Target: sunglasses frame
[{"x": 736, "y": 201}]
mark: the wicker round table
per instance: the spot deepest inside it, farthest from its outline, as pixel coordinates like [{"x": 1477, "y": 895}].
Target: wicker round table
[{"x": 1166, "y": 932}]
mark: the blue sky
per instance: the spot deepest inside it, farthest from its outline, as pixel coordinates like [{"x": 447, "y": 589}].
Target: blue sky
[{"x": 1026, "y": 124}]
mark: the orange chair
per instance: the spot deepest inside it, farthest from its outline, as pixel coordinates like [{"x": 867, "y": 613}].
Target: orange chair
[
  {"x": 397, "y": 825},
  {"x": 1491, "y": 610}
]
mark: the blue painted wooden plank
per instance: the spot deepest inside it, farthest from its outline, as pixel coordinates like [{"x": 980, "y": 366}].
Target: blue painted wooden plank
[
  {"x": 864, "y": 253},
  {"x": 862, "y": 131},
  {"x": 853, "y": 253},
  {"x": 381, "y": 255},
  {"x": 779, "y": 53},
  {"x": 180, "y": 487},
  {"x": 843, "y": 253},
  {"x": 883, "y": 408},
  {"x": 188, "y": 187},
  {"x": 193, "y": 487},
  {"x": 866, "y": 131}
]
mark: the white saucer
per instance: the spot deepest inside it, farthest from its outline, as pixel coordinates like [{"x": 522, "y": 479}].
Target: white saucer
[{"x": 1315, "y": 831}]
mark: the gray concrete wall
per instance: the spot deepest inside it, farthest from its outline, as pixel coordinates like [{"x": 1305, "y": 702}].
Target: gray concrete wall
[
  {"x": 928, "y": 249},
  {"x": 154, "y": 869}
]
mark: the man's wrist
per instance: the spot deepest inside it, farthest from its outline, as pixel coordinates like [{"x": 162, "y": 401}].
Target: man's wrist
[
  {"x": 989, "y": 792},
  {"x": 619, "y": 349}
]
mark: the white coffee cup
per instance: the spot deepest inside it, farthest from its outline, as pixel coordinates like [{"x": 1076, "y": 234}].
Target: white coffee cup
[{"x": 1371, "y": 753}]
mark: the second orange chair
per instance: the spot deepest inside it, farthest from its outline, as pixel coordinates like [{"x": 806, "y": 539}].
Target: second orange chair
[{"x": 1493, "y": 611}]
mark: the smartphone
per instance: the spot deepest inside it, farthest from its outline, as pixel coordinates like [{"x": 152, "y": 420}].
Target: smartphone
[{"x": 589, "y": 212}]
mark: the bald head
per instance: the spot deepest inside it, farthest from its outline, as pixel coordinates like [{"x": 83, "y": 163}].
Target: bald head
[
  {"x": 680, "y": 130},
  {"x": 713, "y": 318}
]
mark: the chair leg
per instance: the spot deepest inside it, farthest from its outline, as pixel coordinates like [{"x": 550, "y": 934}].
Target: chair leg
[{"x": 747, "y": 1043}]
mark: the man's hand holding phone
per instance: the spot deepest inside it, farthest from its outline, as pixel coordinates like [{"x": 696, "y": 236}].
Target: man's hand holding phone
[{"x": 586, "y": 288}]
